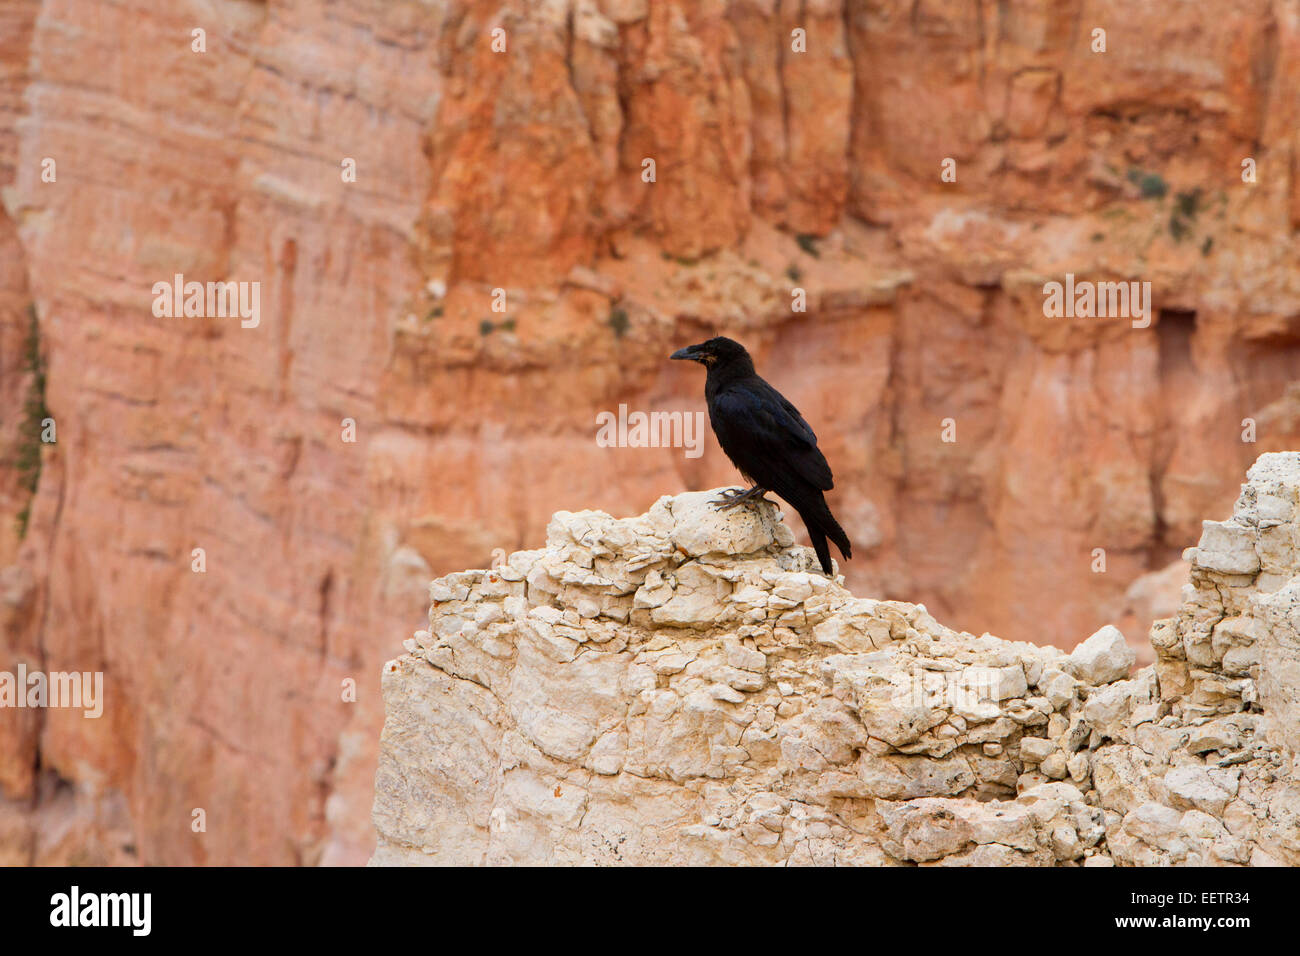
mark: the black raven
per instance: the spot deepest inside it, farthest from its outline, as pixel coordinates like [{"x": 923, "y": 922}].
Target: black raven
[{"x": 767, "y": 440}]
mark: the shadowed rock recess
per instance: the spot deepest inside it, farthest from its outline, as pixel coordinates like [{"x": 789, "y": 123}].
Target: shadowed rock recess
[{"x": 682, "y": 687}]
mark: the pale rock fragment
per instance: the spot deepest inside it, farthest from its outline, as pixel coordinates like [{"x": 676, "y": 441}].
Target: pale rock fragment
[{"x": 1104, "y": 657}]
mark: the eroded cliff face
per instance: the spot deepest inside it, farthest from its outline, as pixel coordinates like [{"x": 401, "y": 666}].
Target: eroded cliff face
[
  {"x": 684, "y": 687},
  {"x": 522, "y": 171}
]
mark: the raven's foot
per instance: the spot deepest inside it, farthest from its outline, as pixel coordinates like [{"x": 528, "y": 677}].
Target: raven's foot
[{"x": 732, "y": 497}]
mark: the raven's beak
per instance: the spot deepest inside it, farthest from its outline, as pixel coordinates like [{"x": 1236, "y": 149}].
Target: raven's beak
[{"x": 691, "y": 352}]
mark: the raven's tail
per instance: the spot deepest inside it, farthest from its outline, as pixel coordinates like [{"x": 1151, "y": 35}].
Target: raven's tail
[{"x": 821, "y": 524}]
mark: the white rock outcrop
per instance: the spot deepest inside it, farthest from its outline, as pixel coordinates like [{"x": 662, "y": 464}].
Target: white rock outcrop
[{"x": 684, "y": 687}]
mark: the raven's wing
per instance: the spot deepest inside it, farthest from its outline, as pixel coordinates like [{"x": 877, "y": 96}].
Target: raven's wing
[{"x": 766, "y": 437}]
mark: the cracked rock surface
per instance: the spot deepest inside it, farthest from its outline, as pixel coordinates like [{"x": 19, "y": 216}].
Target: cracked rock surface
[{"x": 684, "y": 687}]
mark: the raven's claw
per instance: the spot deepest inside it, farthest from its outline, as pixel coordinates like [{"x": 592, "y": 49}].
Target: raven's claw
[{"x": 732, "y": 497}]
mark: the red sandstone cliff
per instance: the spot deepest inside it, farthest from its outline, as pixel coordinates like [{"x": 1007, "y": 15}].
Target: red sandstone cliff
[{"x": 521, "y": 171}]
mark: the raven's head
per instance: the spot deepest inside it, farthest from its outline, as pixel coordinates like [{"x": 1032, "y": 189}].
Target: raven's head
[{"x": 715, "y": 353}]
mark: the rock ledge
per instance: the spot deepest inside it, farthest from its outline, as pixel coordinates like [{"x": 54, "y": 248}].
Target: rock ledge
[{"x": 684, "y": 687}]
